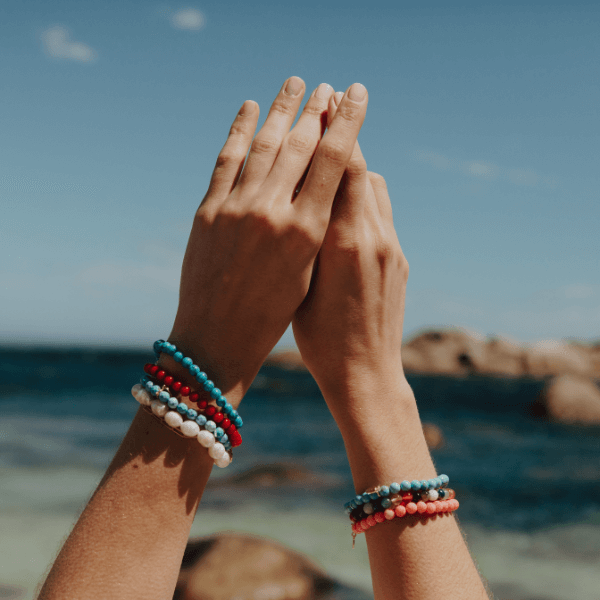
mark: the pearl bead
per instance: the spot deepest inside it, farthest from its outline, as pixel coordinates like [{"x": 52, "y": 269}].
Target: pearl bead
[
  {"x": 135, "y": 389},
  {"x": 158, "y": 408},
  {"x": 174, "y": 419},
  {"x": 216, "y": 451},
  {"x": 190, "y": 428},
  {"x": 206, "y": 438},
  {"x": 432, "y": 495},
  {"x": 368, "y": 508},
  {"x": 143, "y": 397},
  {"x": 223, "y": 461}
]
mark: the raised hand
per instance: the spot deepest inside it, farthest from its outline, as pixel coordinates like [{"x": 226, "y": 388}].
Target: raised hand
[{"x": 254, "y": 240}]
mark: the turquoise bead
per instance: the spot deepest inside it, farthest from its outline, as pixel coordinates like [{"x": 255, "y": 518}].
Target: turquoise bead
[
  {"x": 372, "y": 495},
  {"x": 155, "y": 390},
  {"x": 228, "y": 409},
  {"x": 405, "y": 486},
  {"x": 149, "y": 385},
  {"x": 432, "y": 484},
  {"x": 178, "y": 356},
  {"x": 208, "y": 385},
  {"x": 366, "y": 498},
  {"x": 224, "y": 438},
  {"x": 394, "y": 487},
  {"x": 164, "y": 396},
  {"x": 219, "y": 432},
  {"x": 222, "y": 401},
  {"x": 145, "y": 379},
  {"x": 158, "y": 346},
  {"x": 170, "y": 349},
  {"x": 187, "y": 362},
  {"x": 215, "y": 393},
  {"x": 194, "y": 370},
  {"x": 386, "y": 503},
  {"x": 192, "y": 414},
  {"x": 173, "y": 402},
  {"x": 234, "y": 413},
  {"x": 415, "y": 485},
  {"x": 358, "y": 499},
  {"x": 201, "y": 377},
  {"x": 438, "y": 483},
  {"x": 352, "y": 505},
  {"x": 384, "y": 490},
  {"x": 444, "y": 479},
  {"x": 210, "y": 426},
  {"x": 201, "y": 420},
  {"x": 182, "y": 408},
  {"x": 238, "y": 422}
]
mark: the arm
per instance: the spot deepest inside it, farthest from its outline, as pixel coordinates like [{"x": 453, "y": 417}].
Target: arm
[
  {"x": 349, "y": 331},
  {"x": 246, "y": 269}
]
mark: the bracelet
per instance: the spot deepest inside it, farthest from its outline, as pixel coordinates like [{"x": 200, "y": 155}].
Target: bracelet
[
  {"x": 201, "y": 377},
  {"x": 213, "y": 440}
]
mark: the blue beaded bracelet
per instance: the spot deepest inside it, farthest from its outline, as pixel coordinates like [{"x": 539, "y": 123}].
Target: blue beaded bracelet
[
  {"x": 201, "y": 377},
  {"x": 395, "y": 488}
]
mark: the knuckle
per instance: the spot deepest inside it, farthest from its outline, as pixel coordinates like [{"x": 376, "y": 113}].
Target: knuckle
[
  {"x": 349, "y": 113},
  {"x": 262, "y": 222},
  {"x": 314, "y": 109},
  {"x": 357, "y": 167},
  {"x": 265, "y": 145},
  {"x": 377, "y": 180},
  {"x": 238, "y": 128},
  {"x": 282, "y": 107},
  {"x": 226, "y": 158},
  {"x": 334, "y": 153},
  {"x": 300, "y": 143}
]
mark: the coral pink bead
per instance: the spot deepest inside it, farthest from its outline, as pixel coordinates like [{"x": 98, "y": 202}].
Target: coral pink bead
[
  {"x": 389, "y": 514},
  {"x": 444, "y": 506},
  {"x": 161, "y": 375},
  {"x": 379, "y": 517},
  {"x": 455, "y": 504},
  {"x": 421, "y": 506},
  {"x": 401, "y": 510},
  {"x": 176, "y": 386},
  {"x": 430, "y": 507},
  {"x": 185, "y": 391},
  {"x": 411, "y": 508},
  {"x": 364, "y": 525},
  {"x": 438, "y": 506},
  {"x": 371, "y": 520}
]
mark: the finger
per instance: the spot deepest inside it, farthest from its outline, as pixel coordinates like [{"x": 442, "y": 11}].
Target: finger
[
  {"x": 383, "y": 197},
  {"x": 333, "y": 154},
  {"x": 334, "y": 102},
  {"x": 301, "y": 142},
  {"x": 231, "y": 158},
  {"x": 267, "y": 142}
]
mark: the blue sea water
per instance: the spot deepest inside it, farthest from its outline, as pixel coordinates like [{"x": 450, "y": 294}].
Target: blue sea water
[{"x": 529, "y": 488}]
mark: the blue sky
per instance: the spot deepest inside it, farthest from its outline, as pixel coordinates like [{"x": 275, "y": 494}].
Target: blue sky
[{"x": 483, "y": 118}]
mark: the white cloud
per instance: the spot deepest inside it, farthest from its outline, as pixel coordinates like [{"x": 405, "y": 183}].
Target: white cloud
[
  {"x": 481, "y": 169},
  {"x": 188, "y": 18},
  {"x": 58, "y": 44}
]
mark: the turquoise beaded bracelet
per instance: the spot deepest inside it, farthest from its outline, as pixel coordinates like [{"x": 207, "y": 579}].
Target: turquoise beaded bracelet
[{"x": 201, "y": 377}]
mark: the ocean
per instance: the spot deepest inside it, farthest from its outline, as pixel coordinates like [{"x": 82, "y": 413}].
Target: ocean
[{"x": 529, "y": 490}]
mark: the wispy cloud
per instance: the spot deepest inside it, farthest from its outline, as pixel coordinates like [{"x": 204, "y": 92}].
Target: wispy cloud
[
  {"x": 485, "y": 170},
  {"x": 190, "y": 19},
  {"x": 57, "y": 43}
]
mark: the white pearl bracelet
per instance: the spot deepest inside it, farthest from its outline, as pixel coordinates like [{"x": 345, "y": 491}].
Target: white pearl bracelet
[{"x": 189, "y": 429}]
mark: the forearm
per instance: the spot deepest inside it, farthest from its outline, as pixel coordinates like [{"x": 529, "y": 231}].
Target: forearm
[
  {"x": 130, "y": 539},
  {"x": 413, "y": 557}
]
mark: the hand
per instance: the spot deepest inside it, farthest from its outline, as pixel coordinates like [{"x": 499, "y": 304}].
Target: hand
[
  {"x": 250, "y": 255},
  {"x": 349, "y": 327}
]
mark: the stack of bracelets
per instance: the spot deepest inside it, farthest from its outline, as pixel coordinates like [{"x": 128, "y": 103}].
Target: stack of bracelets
[
  {"x": 384, "y": 503},
  {"x": 214, "y": 423}
]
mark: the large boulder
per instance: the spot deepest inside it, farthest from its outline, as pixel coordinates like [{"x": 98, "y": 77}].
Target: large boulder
[
  {"x": 571, "y": 399},
  {"x": 233, "y": 566}
]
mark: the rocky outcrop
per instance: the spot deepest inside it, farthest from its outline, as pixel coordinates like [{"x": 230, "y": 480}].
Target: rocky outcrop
[
  {"x": 236, "y": 566},
  {"x": 571, "y": 399}
]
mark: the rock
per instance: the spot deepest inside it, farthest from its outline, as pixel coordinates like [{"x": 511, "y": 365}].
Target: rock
[
  {"x": 433, "y": 436},
  {"x": 232, "y": 566},
  {"x": 571, "y": 399}
]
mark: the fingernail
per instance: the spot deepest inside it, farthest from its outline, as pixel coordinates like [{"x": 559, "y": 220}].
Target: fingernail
[
  {"x": 322, "y": 91},
  {"x": 337, "y": 98},
  {"x": 247, "y": 108},
  {"x": 357, "y": 92},
  {"x": 294, "y": 86}
]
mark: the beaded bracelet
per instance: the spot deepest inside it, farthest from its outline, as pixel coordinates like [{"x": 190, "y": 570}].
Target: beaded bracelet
[
  {"x": 201, "y": 377},
  {"x": 218, "y": 449},
  {"x": 210, "y": 412}
]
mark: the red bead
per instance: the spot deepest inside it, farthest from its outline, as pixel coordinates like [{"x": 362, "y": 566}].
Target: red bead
[
  {"x": 185, "y": 390},
  {"x": 235, "y": 438},
  {"x": 202, "y": 404},
  {"x": 148, "y": 367},
  {"x": 406, "y": 498},
  {"x": 225, "y": 423},
  {"x": 210, "y": 411},
  {"x": 176, "y": 386},
  {"x": 218, "y": 417},
  {"x": 169, "y": 380},
  {"x": 161, "y": 375},
  {"x": 231, "y": 429},
  {"x": 153, "y": 369},
  {"x": 194, "y": 396}
]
